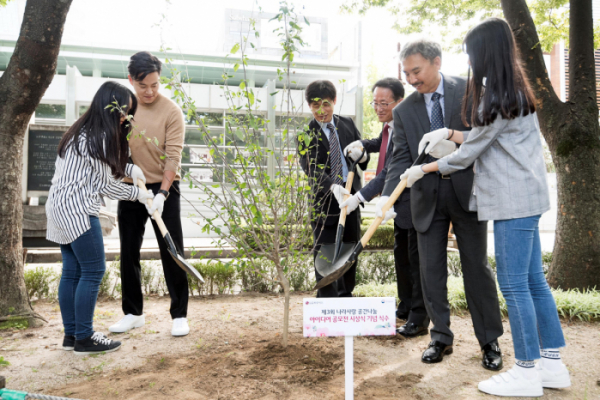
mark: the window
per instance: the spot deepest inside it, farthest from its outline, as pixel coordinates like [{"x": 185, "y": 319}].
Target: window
[{"x": 51, "y": 111}]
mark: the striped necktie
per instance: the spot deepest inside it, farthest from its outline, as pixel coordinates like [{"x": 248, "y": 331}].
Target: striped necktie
[
  {"x": 437, "y": 119},
  {"x": 335, "y": 155}
]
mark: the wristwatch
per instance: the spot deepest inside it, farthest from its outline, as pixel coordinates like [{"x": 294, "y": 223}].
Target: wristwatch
[{"x": 164, "y": 193}]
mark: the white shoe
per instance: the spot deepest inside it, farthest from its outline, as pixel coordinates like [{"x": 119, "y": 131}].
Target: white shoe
[
  {"x": 554, "y": 380},
  {"x": 180, "y": 327},
  {"x": 128, "y": 322},
  {"x": 512, "y": 384}
]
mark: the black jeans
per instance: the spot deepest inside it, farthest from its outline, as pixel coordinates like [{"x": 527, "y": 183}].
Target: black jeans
[{"x": 132, "y": 225}]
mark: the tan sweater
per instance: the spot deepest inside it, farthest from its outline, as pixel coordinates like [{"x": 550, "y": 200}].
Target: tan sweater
[{"x": 162, "y": 120}]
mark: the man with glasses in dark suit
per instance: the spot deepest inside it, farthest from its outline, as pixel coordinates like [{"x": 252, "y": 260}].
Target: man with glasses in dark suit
[{"x": 387, "y": 94}]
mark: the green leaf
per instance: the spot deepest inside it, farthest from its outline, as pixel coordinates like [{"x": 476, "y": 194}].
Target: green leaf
[
  {"x": 251, "y": 97},
  {"x": 242, "y": 85},
  {"x": 236, "y": 67},
  {"x": 305, "y": 20},
  {"x": 235, "y": 48}
]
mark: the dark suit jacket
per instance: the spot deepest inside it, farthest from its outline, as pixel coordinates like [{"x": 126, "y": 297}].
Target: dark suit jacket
[
  {"x": 315, "y": 162},
  {"x": 411, "y": 122},
  {"x": 375, "y": 186}
]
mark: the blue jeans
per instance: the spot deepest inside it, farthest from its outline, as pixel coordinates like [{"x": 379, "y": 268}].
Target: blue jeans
[
  {"x": 532, "y": 311},
  {"x": 83, "y": 268}
]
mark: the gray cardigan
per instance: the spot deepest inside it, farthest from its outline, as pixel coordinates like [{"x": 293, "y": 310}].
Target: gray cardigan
[{"x": 510, "y": 172}]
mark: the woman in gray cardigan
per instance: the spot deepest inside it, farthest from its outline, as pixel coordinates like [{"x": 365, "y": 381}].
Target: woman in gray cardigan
[{"x": 510, "y": 188}]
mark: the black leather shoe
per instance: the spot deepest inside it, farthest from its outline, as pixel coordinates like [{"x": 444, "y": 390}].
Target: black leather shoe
[
  {"x": 492, "y": 356},
  {"x": 435, "y": 352},
  {"x": 411, "y": 330}
]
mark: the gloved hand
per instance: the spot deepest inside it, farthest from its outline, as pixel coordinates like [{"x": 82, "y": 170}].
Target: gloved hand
[
  {"x": 352, "y": 203},
  {"x": 137, "y": 173},
  {"x": 433, "y": 138},
  {"x": 412, "y": 175},
  {"x": 443, "y": 148},
  {"x": 390, "y": 214},
  {"x": 354, "y": 150},
  {"x": 339, "y": 192},
  {"x": 158, "y": 203},
  {"x": 144, "y": 196}
]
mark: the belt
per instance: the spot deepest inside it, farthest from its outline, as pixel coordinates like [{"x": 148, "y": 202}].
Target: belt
[{"x": 444, "y": 176}]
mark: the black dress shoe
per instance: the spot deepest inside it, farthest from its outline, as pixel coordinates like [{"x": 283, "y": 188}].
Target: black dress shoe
[
  {"x": 410, "y": 330},
  {"x": 492, "y": 356},
  {"x": 435, "y": 352}
]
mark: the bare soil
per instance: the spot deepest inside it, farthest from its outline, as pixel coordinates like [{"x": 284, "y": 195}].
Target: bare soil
[{"x": 234, "y": 352}]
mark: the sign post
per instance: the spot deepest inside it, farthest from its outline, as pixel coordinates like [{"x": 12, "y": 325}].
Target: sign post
[{"x": 349, "y": 317}]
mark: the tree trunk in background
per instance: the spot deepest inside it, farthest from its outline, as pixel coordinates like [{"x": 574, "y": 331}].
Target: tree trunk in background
[
  {"x": 572, "y": 132},
  {"x": 28, "y": 75}
]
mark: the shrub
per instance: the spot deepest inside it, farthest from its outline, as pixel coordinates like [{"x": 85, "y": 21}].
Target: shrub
[
  {"x": 377, "y": 267},
  {"x": 216, "y": 274},
  {"x": 38, "y": 281}
]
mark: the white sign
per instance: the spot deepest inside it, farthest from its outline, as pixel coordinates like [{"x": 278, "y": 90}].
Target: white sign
[{"x": 352, "y": 316}]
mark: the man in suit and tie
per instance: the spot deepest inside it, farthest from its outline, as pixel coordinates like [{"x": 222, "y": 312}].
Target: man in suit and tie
[
  {"x": 387, "y": 94},
  {"x": 321, "y": 158},
  {"x": 436, "y": 200}
]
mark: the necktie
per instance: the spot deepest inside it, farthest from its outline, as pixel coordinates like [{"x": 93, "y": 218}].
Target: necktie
[
  {"x": 335, "y": 155},
  {"x": 383, "y": 148},
  {"x": 437, "y": 119}
]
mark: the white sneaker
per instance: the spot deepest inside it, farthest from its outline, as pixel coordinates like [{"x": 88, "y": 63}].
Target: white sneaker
[
  {"x": 512, "y": 384},
  {"x": 128, "y": 322},
  {"x": 554, "y": 380},
  {"x": 180, "y": 327}
]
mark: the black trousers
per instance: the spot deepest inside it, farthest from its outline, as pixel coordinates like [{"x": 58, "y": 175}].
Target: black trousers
[
  {"x": 132, "y": 225},
  {"x": 408, "y": 276},
  {"x": 479, "y": 281},
  {"x": 325, "y": 234}
]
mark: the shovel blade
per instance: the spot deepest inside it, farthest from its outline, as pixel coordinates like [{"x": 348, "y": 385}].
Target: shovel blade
[
  {"x": 180, "y": 260},
  {"x": 328, "y": 254},
  {"x": 332, "y": 272}
]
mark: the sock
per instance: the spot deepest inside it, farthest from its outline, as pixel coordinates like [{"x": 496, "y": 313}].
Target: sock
[
  {"x": 526, "y": 369},
  {"x": 551, "y": 360}
]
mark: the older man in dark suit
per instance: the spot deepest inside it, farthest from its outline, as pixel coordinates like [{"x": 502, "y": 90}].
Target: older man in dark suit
[
  {"x": 388, "y": 93},
  {"x": 436, "y": 200},
  {"x": 321, "y": 158}
]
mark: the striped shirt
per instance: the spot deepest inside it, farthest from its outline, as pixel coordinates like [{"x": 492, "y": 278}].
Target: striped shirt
[{"x": 78, "y": 182}]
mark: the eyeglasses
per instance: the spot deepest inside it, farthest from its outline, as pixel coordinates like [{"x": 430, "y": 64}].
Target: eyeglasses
[{"x": 380, "y": 105}]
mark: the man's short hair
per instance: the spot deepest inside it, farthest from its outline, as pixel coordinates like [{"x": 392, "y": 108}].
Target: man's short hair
[
  {"x": 142, "y": 64},
  {"x": 320, "y": 90},
  {"x": 393, "y": 84},
  {"x": 427, "y": 48}
]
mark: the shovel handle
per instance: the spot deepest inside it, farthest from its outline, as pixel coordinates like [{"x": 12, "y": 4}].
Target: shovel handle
[
  {"x": 346, "y": 197},
  {"x": 156, "y": 215},
  {"x": 386, "y": 207},
  {"x": 349, "y": 181}
]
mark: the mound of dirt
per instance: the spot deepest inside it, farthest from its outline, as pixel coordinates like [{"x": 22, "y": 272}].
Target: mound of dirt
[{"x": 390, "y": 386}]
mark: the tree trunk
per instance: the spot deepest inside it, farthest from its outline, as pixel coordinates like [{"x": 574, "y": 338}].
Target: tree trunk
[
  {"x": 573, "y": 135},
  {"x": 285, "y": 284},
  {"x": 27, "y": 76}
]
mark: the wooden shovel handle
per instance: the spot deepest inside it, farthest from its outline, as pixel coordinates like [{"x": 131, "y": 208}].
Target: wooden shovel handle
[
  {"x": 346, "y": 197},
  {"x": 386, "y": 207},
  {"x": 156, "y": 215}
]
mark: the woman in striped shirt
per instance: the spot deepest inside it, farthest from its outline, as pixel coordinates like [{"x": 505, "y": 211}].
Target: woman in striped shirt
[{"x": 92, "y": 155}]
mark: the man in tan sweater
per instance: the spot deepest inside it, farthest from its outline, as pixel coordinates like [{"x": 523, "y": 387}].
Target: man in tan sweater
[{"x": 156, "y": 144}]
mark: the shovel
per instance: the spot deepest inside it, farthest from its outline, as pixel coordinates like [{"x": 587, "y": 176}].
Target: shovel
[
  {"x": 329, "y": 253},
  {"x": 348, "y": 257},
  {"x": 169, "y": 241}
]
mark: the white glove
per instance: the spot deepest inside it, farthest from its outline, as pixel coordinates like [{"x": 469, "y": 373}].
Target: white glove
[
  {"x": 339, "y": 192},
  {"x": 433, "y": 138},
  {"x": 352, "y": 203},
  {"x": 137, "y": 173},
  {"x": 391, "y": 214},
  {"x": 443, "y": 148},
  {"x": 158, "y": 203},
  {"x": 144, "y": 196},
  {"x": 412, "y": 175},
  {"x": 354, "y": 150}
]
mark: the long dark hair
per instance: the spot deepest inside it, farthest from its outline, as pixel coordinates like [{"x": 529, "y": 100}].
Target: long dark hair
[
  {"x": 106, "y": 136},
  {"x": 495, "y": 57}
]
